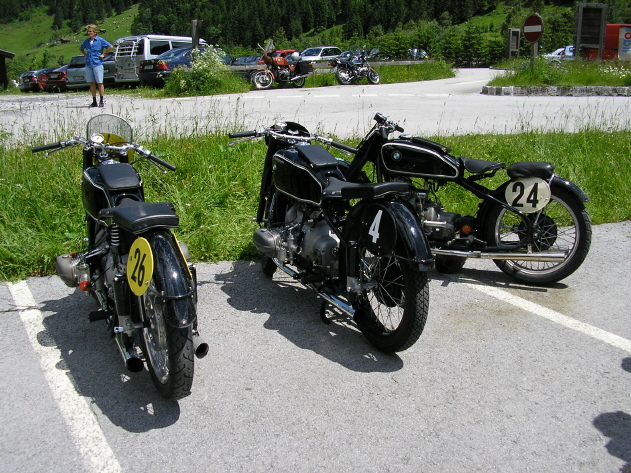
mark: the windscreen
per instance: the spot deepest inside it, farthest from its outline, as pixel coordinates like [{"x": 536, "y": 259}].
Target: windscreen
[{"x": 114, "y": 129}]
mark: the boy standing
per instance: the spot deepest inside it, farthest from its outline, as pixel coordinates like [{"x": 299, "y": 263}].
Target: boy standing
[{"x": 94, "y": 49}]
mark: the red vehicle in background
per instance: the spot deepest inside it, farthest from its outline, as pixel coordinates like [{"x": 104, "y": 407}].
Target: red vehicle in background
[
  {"x": 283, "y": 66},
  {"x": 55, "y": 80},
  {"x": 611, "y": 44}
]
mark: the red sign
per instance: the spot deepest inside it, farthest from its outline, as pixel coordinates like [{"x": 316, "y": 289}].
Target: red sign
[{"x": 533, "y": 28}]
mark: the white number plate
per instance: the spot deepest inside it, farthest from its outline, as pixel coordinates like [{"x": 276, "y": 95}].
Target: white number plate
[{"x": 529, "y": 195}]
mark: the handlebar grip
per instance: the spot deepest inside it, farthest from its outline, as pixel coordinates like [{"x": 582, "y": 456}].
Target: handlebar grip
[
  {"x": 37, "y": 149},
  {"x": 162, "y": 162},
  {"x": 350, "y": 149},
  {"x": 398, "y": 128},
  {"x": 242, "y": 134}
]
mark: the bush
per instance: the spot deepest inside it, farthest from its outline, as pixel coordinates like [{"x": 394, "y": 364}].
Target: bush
[{"x": 207, "y": 75}]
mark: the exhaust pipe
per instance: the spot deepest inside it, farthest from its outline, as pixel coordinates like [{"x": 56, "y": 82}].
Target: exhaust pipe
[
  {"x": 200, "y": 347},
  {"x": 543, "y": 257},
  {"x": 132, "y": 362}
]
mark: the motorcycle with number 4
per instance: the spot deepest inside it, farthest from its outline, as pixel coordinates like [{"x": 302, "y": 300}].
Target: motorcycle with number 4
[
  {"x": 281, "y": 69},
  {"x": 359, "y": 245},
  {"x": 355, "y": 67},
  {"x": 534, "y": 226},
  {"x": 133, "y": 265}
]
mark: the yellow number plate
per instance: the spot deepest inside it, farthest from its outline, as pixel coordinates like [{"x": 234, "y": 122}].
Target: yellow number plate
[{"x": 139, "y": 266}]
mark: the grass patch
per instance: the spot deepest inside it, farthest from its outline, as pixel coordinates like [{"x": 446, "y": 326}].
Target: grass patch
[
  {"x": 566, "y": 74},
  {"x": 215, "y": 190}
]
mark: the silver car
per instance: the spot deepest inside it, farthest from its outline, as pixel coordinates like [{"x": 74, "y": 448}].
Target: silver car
[
  {"x": 320, "y": 53},
  {"x": 76, "y": 71}
]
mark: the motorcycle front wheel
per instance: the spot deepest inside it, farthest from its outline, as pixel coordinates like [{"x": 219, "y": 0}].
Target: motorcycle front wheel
[
  {"x": 168, "y": 350},
  {"x": 562, "y": 225},
  {"x": 392, "y": 311},
  {"x": 343, "y": 76},
  {"x": 373, "y": 76},
  {"x": 263, "y": 80}
]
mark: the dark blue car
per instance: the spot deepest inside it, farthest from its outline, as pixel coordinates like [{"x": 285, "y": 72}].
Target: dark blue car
[{"x": 156, "y": 71}]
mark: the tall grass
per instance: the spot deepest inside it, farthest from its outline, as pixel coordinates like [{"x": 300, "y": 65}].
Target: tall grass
[
  {"x": 567, "y": 73},
  {"x": 215, "y": 189}
]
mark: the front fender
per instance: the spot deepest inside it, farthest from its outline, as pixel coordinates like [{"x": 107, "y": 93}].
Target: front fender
[
  {"x": 173, "y": 280},
  {"x": 390, "y": 226}
]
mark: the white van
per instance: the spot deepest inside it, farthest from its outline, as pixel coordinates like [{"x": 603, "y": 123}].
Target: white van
[{"x": 130, "y": 50}]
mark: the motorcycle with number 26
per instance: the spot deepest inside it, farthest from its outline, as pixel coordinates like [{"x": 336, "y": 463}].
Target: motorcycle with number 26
[
  {"x": 534, "y": 226},
  {"x": 133, "y": 265},
  {"x": 359, "y": 245}
]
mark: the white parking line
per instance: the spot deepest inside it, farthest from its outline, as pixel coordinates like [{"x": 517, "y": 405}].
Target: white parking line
[
  {"x": 88, "y": 437},
  {"x": 556, "y": 317}
]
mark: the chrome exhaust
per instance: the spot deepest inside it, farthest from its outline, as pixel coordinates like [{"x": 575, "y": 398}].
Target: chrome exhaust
[
  {"x": 200, "y": 347},
  {"x": 132, "y": 362},
  {"x": 543, "y": 257}
]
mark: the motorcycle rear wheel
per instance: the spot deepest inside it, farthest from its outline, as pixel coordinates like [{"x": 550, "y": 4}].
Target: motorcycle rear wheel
[
  {"x": 168, "y": 350},
  {"x": 263, "y": 80},
  {"x": 343, "y": 76},
  {"x": 373, "y": 76},
  {"x": 563, "y": 224},
  {"x": 299, "y": 83},
  {"x": 393, "y": 313}
]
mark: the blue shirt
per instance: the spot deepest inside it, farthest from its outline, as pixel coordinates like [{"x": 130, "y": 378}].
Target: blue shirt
[{"x": 93, "y": 50}]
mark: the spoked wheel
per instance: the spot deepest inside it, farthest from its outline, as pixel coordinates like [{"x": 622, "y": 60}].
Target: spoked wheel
[
  {"x": 168, "y": 350},
  {"x": 343, "y": 76},
  {"x": 562, "y": 225},
  {"x": 373, "y": 76},
  {"x": 392, "y": 311},
  {"x": 299, "y": 83},
  {"x": 263, "y": 80}
]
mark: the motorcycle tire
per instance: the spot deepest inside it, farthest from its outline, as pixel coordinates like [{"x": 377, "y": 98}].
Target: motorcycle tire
[
  {"x": 373, "y": 76},
  {"x": 168, "y": 350},
  {"x": 263, "y": 80},
  {"x": 393, "y": 313},
  {"x": 343, "y": 76},
  {"x": 563, "y": 223},
  {"x": 299, "y": 83}
]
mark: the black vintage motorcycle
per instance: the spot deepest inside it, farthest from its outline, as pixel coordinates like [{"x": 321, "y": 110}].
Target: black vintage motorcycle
[
  {"x": 534, "y": 226},
  {"x": 133, "y": 265},
  {"x": 355, "y": 66},
  {"x": 281, "y": 68},
  {"x": 359, "y": 245}
]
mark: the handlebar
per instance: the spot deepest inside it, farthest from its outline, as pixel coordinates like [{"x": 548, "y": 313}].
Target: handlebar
[
  {"x": 242, "y": 134},
  {"x": 105, "y": 149},
  {"x": 37, "y": 149}
]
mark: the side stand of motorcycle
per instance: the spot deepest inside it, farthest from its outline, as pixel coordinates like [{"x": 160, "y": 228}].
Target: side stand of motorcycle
[{"x": 133, "y": 265}]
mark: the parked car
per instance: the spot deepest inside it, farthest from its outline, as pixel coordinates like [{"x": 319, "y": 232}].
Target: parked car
[
  {"x": 561, "y": 54},
  {"x": 320, "y": 53},
  {"x": 55, "y": 80},
  {"x": 28, "y": 81},
  {"x": 76, "y": 71},
  {"x": 157, "y": 71}
]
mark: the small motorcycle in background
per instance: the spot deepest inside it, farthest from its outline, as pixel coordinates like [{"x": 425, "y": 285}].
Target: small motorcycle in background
[
  {"x": 355, "y": 67},
  {"x": 416, "y": 54},
  {"x": 133, "y": 265},
  {"x": 359, "y": 245},
  {"x": 282, "y": 69}
]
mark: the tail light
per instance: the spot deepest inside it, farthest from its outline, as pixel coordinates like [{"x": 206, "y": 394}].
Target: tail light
[{"x": 161, "y": 66}]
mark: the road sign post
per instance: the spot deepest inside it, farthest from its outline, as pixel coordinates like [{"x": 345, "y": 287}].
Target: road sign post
[{"x": 533, "y": 29}]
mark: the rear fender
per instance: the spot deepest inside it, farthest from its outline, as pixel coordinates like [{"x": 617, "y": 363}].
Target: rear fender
[
  {"x": 386, "y": 227},
  {"x": 173, "y": 279}
]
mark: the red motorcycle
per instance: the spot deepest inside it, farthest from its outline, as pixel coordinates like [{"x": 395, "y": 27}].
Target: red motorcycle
[{"x": 281, "y": 67}]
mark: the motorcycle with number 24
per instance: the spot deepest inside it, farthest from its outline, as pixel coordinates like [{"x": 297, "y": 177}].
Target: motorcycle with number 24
[
  {"x": 133, "y": 265},
  {"x": 534, "y": 226}
]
